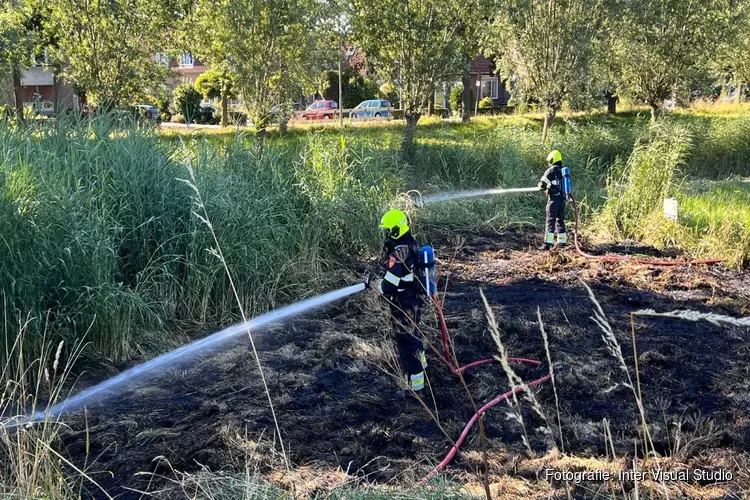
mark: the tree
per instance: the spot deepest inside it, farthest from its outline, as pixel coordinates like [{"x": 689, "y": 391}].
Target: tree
[
  {"x": 187, "y": 100},
  {"x": 110, "y": 45},
  {"x": 733, "y": 59},
  {"x": 355, "y": 87},
  {"x": 471, "y": 26},
  {"x": 16, "y": 44},
  {"x": 545, "y": 45},
  {"x": 605, "y": 75},
  {"x": 265, "y": 45},
  {"x": 663, "y": 43},
  {"x": 214, "y": 84},
  {"x": 411, "y": 43}
]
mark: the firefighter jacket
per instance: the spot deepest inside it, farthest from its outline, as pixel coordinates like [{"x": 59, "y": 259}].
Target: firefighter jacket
[
  {"x": 551, "y": 181},
  {"x": 400, "y": 283}
]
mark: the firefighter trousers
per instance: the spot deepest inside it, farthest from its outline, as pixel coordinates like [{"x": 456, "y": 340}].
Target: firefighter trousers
[
  {"x": 408, "y": 338},
  {"x": 556, "y": 220}
]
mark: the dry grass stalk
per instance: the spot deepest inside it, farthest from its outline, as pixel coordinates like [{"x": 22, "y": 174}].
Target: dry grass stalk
[
  {"x": 613, "y": 346},
  {"x": 513, "y": 378},
  {"x": 217, "y": 252},
  {"x": 552, "y": 373}
]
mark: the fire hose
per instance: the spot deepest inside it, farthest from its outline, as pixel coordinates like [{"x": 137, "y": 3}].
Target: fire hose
[
  {"x": 627, "y": 258},
  {"x": 456, "y": 371}
]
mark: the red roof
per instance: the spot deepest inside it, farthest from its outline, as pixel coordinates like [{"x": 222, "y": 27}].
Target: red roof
[{"x": 482, "y": 65}]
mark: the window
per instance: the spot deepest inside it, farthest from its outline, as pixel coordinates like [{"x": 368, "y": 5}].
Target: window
[
  {"x": 350, "y": 51},
  {"x": 334, "y": 105},
  {"x": 490, "y": 87},
  {"x": 41, "y": 59},
  {"x": 162, "y": 59},
  {"x": 186, "y": 59},
  {"x": 385, "y": 104}
]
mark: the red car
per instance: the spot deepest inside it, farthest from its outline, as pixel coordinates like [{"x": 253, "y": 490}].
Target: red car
[{"x": 321, "y": 110}]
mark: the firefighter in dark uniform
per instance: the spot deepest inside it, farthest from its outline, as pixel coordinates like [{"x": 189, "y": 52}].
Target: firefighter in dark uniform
[
  {"x": 401, "y": 287},
  {"x": 551, "y": 183}
]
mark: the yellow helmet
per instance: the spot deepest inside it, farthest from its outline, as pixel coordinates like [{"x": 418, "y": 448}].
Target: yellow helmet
[
  {"x": 554, "y": 157},
  {"x": 394, "y": 224}
]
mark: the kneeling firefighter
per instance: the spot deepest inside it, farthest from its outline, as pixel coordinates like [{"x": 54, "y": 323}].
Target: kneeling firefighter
[
  {"x": 556, "y": 183},
  {"x": 402, "y": 287}
]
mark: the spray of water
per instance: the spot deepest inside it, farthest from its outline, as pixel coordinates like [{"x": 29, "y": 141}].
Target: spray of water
[
  {"x": 456, "y": 195},
  {"x": 204, "y": 345}
]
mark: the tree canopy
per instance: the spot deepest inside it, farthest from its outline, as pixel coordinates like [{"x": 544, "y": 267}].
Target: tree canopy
[
  {"x": 546, "y": 45},
  {"x": 661, "y": 45},
  {"x": 412, "y": 43},
  {"x": 110, "y": 46}
]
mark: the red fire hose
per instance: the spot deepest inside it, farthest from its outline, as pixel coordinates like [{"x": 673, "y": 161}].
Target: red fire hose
[
  {"x": 518, "y": 390},
  {"x": 446, "y": 347},
  {"x": 456, "y": 371},
  {"x": 624, "y": 258},
  {"x": 502, "y": 397}
]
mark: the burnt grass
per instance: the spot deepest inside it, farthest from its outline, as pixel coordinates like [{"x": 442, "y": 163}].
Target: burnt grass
[{"x": 337, "y": 407}]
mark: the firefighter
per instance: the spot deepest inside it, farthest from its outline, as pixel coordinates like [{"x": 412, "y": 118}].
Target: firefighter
[
  {"x": 552, "y": 183},
  {"x": 401, "y": 287}
]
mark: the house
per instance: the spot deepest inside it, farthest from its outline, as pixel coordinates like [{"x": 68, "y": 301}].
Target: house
[
  {"x": 482, "y": 77},
  {"x": 41, "y": 90},
  {"x": 185, "y": 68}
]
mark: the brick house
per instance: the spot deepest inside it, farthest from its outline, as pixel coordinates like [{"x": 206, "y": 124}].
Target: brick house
[
  {"x": 482, "y": 76},
  {"x": 185, "y": 68},
  {"x": 41, "y": 89}
]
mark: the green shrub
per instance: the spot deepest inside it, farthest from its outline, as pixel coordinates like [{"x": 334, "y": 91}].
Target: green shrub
[
  {"x": 209, "y": 84},
  {"x": 234, "y": 118},
  {"x": 486, "y": 103},
  {"x": 355, "y": 87},
  {"x": 207, "y": 116},
  {"x": 637, "y": 191},
  {"x": 456, "y": 98},
  {"x": 187, "y": 101},
  {"x": 177, "y": 118},
  {"x": 441, "y": 111}
]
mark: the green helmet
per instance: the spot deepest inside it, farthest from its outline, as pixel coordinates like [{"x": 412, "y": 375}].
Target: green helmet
[
  {"x": 394, "y": 224},
  {"x": 554, "y": 157}
]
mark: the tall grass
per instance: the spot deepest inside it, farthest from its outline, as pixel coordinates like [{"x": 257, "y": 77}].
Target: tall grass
[
  {"x": 638, "y": 190},
  {"x": 96, "y": 228},
  {"x": 30, "y": 467},
  {"x": 714, "y": 222}
]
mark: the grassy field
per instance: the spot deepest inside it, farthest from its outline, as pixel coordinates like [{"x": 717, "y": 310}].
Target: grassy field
[
  {"x": 101, "y": 243},
  {"x": 101, "y": 239}
]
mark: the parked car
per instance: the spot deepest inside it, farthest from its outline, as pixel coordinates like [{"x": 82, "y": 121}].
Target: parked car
[
  {"x": 148, "y": 112},
  {"x": 321, "y": 110},
  {"x": 374, "y": 108}
]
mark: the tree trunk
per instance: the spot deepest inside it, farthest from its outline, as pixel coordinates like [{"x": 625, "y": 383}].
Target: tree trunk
[
  {"x": 466, "y": 97},
  {"x": 18, "y": 92},
  {"x": 479, "y": 93},
  {"x": 611, "y": 102},
  {"x": 655, "y": 112},
  {"x": 56, "y": 89},
  {"x": 283, "y": 124},
  {"x": 549, "y": 115},
  {"x": 260, "y": 137},
  {"x": 407, "y": 147},
  {"x": 738, "y": 92},
  {"x": 431, "y": 105},
  {"x": 224, "y": 105},
  {"x": 341, "y": 97}
]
